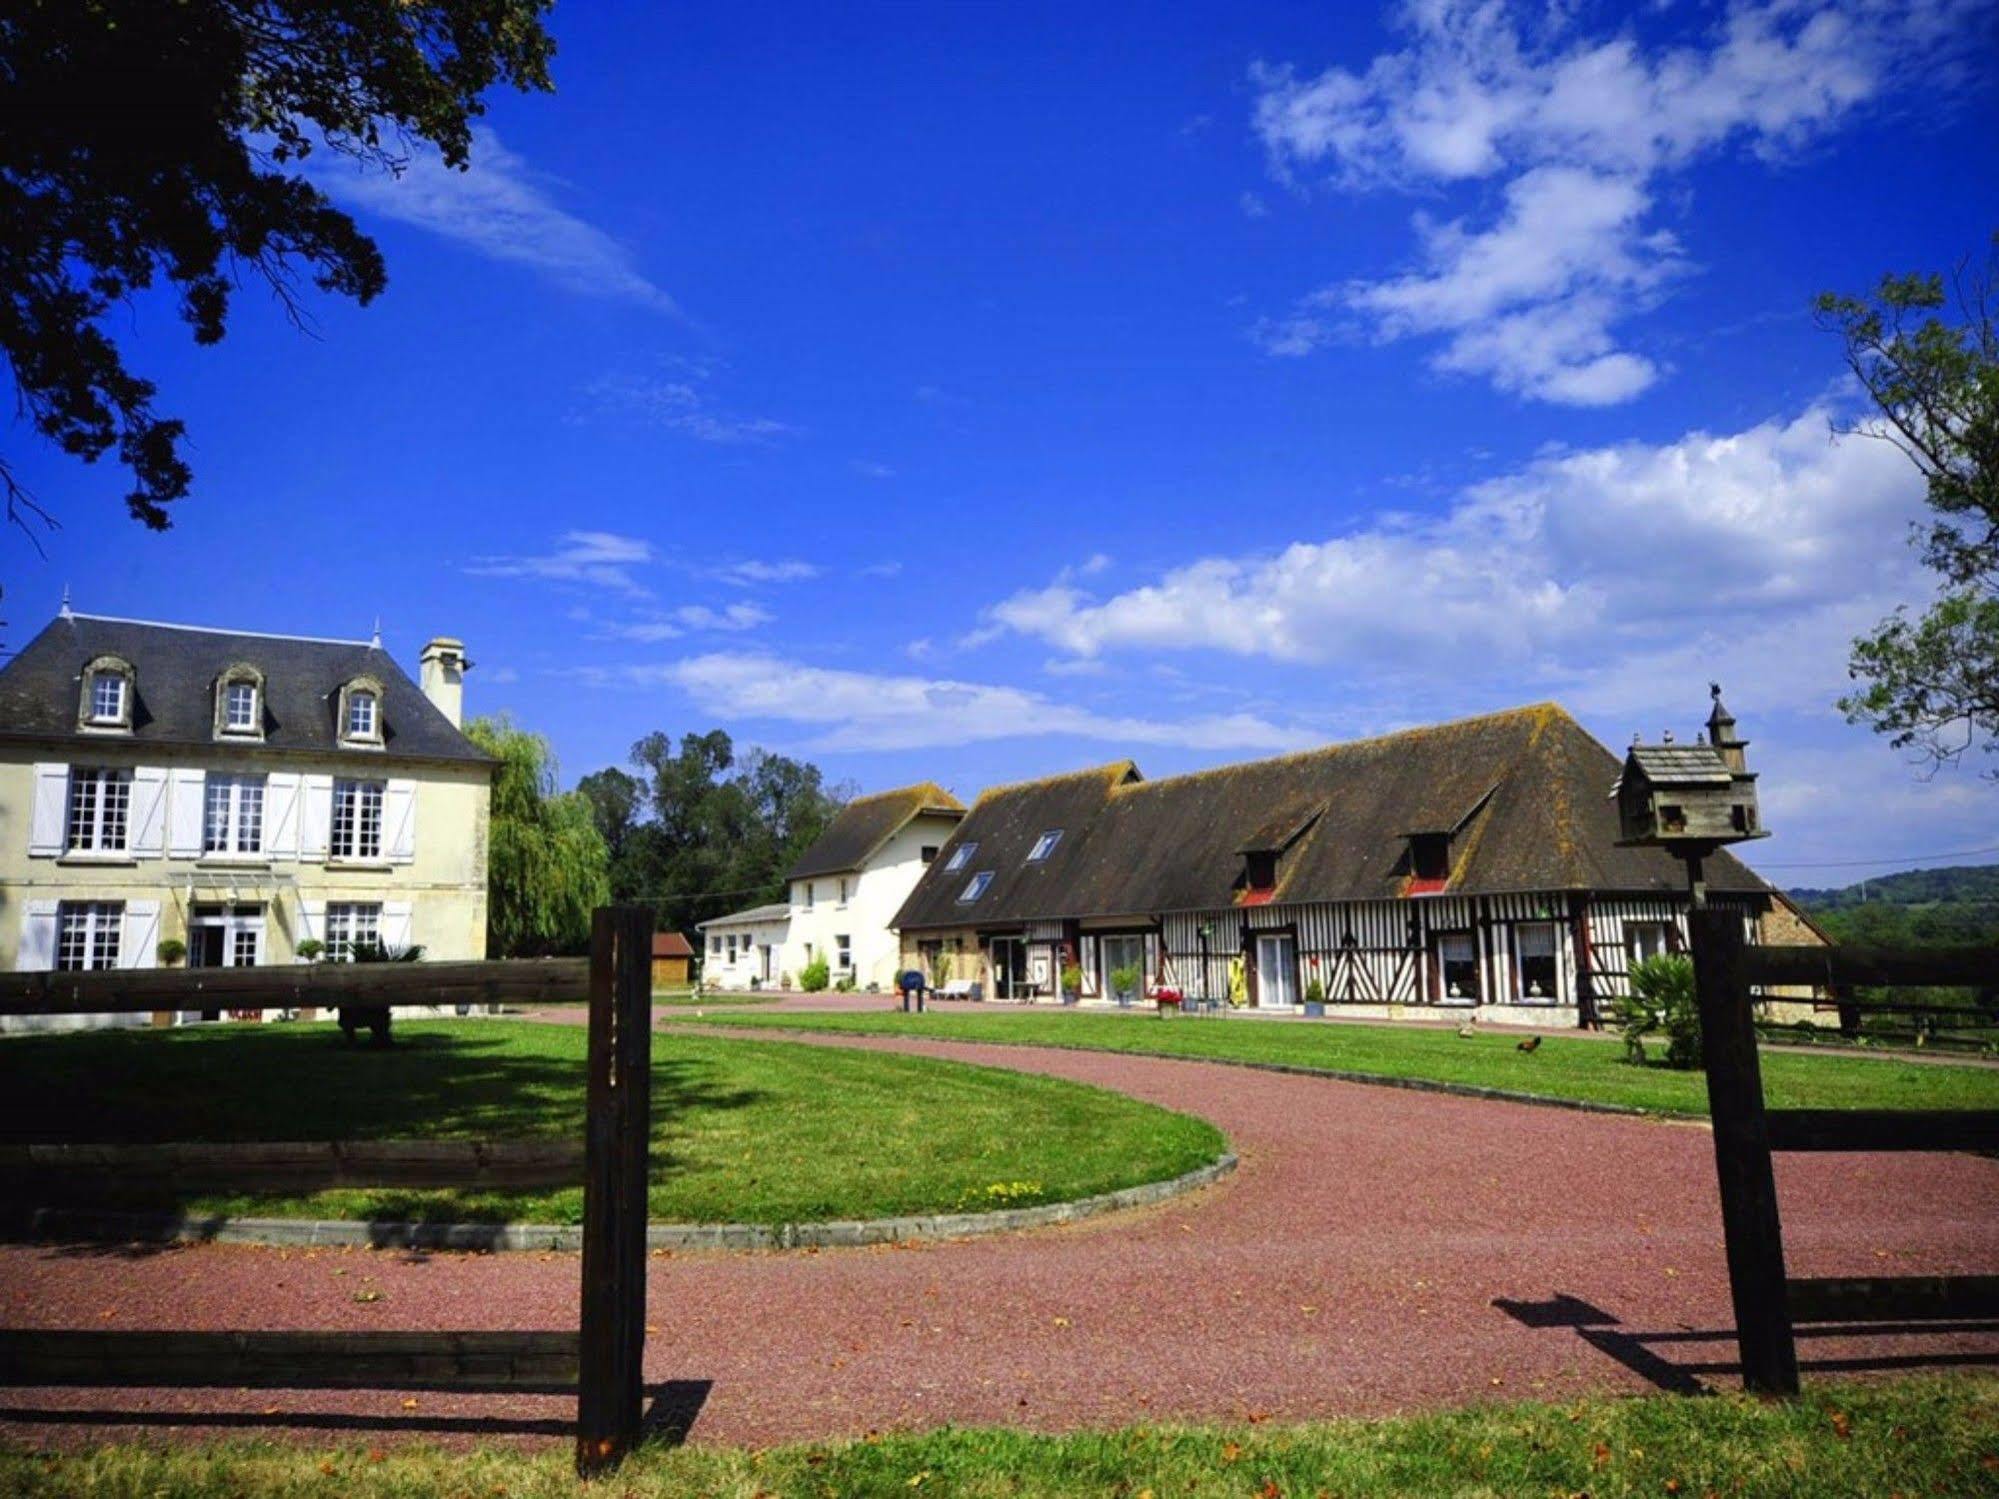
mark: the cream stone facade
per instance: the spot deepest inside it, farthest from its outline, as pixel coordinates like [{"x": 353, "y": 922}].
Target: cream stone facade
[{"x": 121, "y": 835}]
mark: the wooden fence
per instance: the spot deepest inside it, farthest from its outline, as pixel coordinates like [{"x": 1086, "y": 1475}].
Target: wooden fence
[
  {"x": 1768, "y": 1303},
  {"x": 601, "y": 1360}
]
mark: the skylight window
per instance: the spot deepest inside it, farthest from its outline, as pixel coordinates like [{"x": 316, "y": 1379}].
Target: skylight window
[
  {"x": 976, "y": 887},
  {"x": 960, "y": 857},
  {"x": 1044, "y": 845}
]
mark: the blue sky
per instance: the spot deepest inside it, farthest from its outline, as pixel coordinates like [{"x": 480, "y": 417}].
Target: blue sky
[{"x": 971, "y": 392}]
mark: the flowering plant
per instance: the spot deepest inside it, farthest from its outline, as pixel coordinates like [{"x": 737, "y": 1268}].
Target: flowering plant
[{"x": 1167, "y": 997}]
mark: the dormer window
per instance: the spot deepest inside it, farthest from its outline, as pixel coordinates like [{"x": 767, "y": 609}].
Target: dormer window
[
  {"x": 1430, "y": 856},
  {"x": 960, "y": 857},
  {"x": 1260, "y": 870},
  {"x": 107, "y": 694},
  {"x": 361, "y": 712},
  {"x": 976, "y": 887},
  {"x": 239, "y": 703},
  {"x": 1044, "y": 845}
]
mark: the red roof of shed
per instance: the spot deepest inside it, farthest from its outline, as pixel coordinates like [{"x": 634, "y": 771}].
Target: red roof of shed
[{"x": 670, "y": 945}]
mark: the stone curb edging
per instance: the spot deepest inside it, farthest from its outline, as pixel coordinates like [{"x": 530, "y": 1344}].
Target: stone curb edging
[
  {"x": 1292, "y": 1069},
  {"x": 103, "y": 1225}
]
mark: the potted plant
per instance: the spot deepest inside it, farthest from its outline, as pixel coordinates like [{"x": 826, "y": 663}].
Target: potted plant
[
  {"x": 1072, "y": 982},
  {"x": 1315, "y": 997},
  {"x": 309, "y": 949},
  {"x": 170, "y": 952},
  {"x": 1125, "y": 982},
  {"x": 1168, "y": 999}
]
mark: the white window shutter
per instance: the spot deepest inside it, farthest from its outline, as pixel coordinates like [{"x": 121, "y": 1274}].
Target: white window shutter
[
  {"x": 141, "y": 936},
  {"x": 281, "y": 814},
  {"x": 315, "y": 816},
  {"x": 399, "y": 821},
  {"x": 51, "y": 811},
  {"x": 396, "y": 924},
  {"x": 184, "y": 813},
  {"x": 149, "y": 811},
  {"x": 311, "y": 922},
  {"x": 37, "y": 953}
]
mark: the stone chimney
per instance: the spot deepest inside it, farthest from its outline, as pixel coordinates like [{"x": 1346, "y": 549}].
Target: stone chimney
[{"x": 443, "y": 677}]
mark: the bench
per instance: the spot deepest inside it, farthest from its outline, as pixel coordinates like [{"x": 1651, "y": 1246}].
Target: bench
[{"x": 959, "y": 989}]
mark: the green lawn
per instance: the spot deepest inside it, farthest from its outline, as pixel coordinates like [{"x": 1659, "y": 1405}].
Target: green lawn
[
  {"x": 1564, "y": 1067},
  {"x": 746, "y": 1131},
  {"x": 1929, "y": 1436}
]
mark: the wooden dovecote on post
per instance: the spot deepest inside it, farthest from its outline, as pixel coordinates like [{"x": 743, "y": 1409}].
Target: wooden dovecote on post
[{"x": 1690, "y": 798}]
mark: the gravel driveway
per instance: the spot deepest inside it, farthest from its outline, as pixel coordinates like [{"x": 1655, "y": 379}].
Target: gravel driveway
[{"x": 1378, "y": 1249}]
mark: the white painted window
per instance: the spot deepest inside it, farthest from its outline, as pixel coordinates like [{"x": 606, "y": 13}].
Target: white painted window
[
  {"x": 1044, "y": 845},
  {"x": 361, "y": 714},
  {"x": 844, "y": 951},
  {"x": 107, "y": 697},
  {"x": 233, "y": 815},
  {"x": 349, "y": 923},
  {"x": 100, "y": 807},
  {"x": 88, "y": 933},
  {"x": 239, "y": 707},
  {"x": 975, "y": 887},
  {"x": 1646, "y": 939},
  {"x": 1537, "y": 975},
  {"x": 1457, "y": 967},
  {"x": 960, "y": 857},
  {"x": 715, "y": 944},
  {"x": 356, "y": 831}
]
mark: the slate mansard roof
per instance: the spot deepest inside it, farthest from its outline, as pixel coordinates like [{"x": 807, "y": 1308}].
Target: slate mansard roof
[
  {"x": 1522, "y": 792},
  {"x": 861, "y": 827},
  {"x": 175, "y": 668}
]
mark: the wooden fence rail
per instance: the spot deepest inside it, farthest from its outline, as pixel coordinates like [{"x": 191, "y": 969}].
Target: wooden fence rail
[
  {"x": 292, "y": 1360},
  {"x": 602, "y": 1361},
  {"x": 115, "y": 991},
  {"x": 1767, "y": 1301},
  {"x": 306, "y": 1165}
]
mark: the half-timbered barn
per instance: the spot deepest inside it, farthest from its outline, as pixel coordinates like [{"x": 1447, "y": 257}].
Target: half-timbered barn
[{"x": 1469, "y": 866}]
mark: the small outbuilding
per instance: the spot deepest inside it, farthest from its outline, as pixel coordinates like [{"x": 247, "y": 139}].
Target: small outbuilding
[{"x": 672, "y": 959}]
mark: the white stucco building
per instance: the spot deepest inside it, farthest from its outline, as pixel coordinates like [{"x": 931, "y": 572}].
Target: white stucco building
[{"x": 844, "y": 891}]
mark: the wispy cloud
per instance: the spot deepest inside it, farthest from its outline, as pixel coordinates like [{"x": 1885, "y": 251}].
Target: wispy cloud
[
  {"x": 758, "y": 570},
  {"x": 871, "y": 470},
  {"x": 679, "y": 402},
  {"x": 1583, "y": 131},
  {"x": 852, "y": 710},
  {"x": 671, "y": 624},
  {"x": 502, "y": 209},
  {"x": 603, "y": 559}
]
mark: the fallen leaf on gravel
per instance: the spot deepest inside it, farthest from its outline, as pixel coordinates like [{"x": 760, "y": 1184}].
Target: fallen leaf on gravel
[
  {"x": 409, "y": 1404},
  {"x": 1061, "y": 1321},
  {"x": 367, "y": 1295},
  {"x": 1310, "y": 1311},
  {"x": 272, "y": 1410}
]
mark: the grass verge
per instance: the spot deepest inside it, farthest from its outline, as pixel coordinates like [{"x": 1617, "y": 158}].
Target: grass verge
[
  {"x": 1580, "y": 1068},
  {"x": 743, "y": 1132},
  {"x": 1933, "y": 1436}
]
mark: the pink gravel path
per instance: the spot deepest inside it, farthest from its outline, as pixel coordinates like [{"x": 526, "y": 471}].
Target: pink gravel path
[{"x": 1350, "y": 1266}]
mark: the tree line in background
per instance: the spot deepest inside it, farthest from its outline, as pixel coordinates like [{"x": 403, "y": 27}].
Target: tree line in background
[{"x": 696, "y": 832}]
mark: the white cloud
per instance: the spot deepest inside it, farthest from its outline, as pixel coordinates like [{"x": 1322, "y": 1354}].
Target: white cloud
[
  {"x": 851, "y": 710},
  {"x": 766, "y": 570},
  {"x": 680, "y": 404},
  {"x": 671, "y": 624},
  {"x": 1581, "y": 130},
  {"x": 1596, "y": 573},
  {"x": 501, "y": 208},
  {"x": 602, "y": 558},
  {"x": 868, "y": 469}
]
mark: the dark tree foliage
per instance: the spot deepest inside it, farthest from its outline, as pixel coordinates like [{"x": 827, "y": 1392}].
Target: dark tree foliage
[
  {"x": 158, "y": 141},
  {"x": 1928, "y": 357},
  {"x": 702, "y": 830}
]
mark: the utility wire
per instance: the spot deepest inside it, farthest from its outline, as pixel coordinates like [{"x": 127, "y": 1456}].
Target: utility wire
[{"x": 1961, "y": 853}]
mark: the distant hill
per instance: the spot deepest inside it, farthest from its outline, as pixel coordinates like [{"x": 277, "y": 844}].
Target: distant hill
[{"x": 1964, "y": 884}]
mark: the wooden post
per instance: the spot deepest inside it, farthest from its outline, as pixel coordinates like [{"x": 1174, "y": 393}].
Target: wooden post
[
  {"x": 611, "y": 1391},
  {"x": 1749, "y": 1216}
]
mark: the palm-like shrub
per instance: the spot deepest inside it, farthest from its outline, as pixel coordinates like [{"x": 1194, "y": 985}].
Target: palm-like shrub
[{"x": 1661, "y": 1003}]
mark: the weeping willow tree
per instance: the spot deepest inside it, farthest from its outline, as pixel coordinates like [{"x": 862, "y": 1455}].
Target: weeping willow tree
[{"x": 547, "y": 866}]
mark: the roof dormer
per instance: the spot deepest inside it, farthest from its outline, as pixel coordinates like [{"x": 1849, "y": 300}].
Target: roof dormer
[
  {"x": 1265, "y": 848},
  {"x": 109, "y": 690},
  {"x": 239, "y": 703},
  {"x": 359, "y": 710}
]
